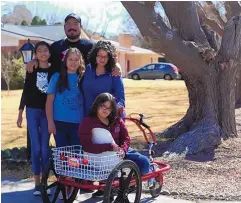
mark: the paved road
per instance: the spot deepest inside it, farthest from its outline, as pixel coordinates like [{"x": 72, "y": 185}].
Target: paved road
[{"x": 20, "y": 191}]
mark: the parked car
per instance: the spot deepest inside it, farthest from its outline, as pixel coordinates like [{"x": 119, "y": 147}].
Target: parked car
[{"x": 165, "y": 71}]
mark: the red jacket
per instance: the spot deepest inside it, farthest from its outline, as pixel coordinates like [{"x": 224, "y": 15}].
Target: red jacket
[{"x": 117, "y": 129}]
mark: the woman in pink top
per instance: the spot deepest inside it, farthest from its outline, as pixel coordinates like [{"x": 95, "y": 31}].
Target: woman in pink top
[{"x": 103, "y": 114}]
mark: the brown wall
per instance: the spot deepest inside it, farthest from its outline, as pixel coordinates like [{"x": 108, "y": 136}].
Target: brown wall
[
  {"x": 22, "y": 42},
  {"x": 135, "y": 60},
  {"x": 15, "y": 49},
  {"x": 139, "y": 60},
  {"x": 9, "y": 49}
]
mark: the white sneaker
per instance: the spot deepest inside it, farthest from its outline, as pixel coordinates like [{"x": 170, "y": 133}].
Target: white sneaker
[
  {"x": 60, "y": 195},
  {"x": 48, "y": 191},
  {"x": 37, "y": 191}
]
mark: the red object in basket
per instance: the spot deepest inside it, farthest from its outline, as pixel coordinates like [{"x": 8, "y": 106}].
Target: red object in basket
[
  {"x": 62, "y": 157},
  {"x": 85, "y": 161}
]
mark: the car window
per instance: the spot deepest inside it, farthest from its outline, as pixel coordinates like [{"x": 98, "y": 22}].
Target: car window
[
  {"x": 160, "y": 66},
  {"x": 150, "y": 67}
]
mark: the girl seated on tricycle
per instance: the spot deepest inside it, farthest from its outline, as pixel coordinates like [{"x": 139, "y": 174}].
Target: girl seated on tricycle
[{"x": 103, "y": 114}]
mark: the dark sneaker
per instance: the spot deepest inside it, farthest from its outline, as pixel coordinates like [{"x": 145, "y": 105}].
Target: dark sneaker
[
  {"x": 111, "y": 199},
  {"x": 98, "y": 193},
  {"x": 85, "y": 190}
]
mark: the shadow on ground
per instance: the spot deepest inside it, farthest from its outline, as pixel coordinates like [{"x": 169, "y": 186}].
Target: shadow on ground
[
  {"x": 162, "y": 147},
  {"x": 20, "y": 196}
]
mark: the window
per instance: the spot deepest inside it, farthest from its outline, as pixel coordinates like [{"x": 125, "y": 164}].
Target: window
[
  {"x": 162, "y": 59},
  {"x": 160, "y": 66},
  {"x": 150, "y": 67}
]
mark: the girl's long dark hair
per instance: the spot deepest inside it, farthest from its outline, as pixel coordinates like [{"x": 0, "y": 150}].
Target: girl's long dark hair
[
  {"x": 62, "y": 82},
  {"x": 108, "y": 47},
  {"x": 100, "y": 99}
]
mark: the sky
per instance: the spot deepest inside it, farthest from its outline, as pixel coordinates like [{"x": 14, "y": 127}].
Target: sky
[{"x": 94, "y": 14}]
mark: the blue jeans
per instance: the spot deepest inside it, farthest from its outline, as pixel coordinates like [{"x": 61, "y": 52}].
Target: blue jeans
[
  {"x": 66, "y": 134},
  {"x": 141, "y": 161},
  {"x": 39, "y": 136}
]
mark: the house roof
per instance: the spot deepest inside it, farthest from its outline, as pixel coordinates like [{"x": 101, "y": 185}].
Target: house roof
[
  {"x": 16, "y": 30},
  {"x": 133, "y": 49},
  {"x": 52, "y": 33},
  {"x": 45, "y": 32}
]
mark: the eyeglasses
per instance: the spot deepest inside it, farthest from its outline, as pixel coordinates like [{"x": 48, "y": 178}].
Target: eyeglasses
[
  {"x": 71, "y": 24},
  {"x": 103, "y": 107},
  {"x": 103, "y": 57}
]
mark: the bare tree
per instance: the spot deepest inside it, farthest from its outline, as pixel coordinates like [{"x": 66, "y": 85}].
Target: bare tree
[
  {"x": 209, "y": 71},
  {"x": 109, "y": 17},
  {"x": 7, "y": 69},
  {"x": 51, "y": 18}
]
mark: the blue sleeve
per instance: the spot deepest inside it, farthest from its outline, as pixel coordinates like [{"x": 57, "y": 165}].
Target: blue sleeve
[
  {"x": 88, "y": 68},
  {"x": 119, "y": 91},
  {"x": 52, "y": 89}
]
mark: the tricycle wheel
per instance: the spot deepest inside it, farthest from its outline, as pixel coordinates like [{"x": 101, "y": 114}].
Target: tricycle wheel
[
  {"x": 127, "y": 174},
  {"x": 155, "y": 190},
  {"x": 50, "y": 182},
  {"x": 156, "y": 187}
]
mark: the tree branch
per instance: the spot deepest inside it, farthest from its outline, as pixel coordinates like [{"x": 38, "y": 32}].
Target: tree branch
[
  {"x": 206, "y": 20},
  {"x": 161, "y": 38},
  {"x": 215, "y": 11},
  {"x": 231, "y": 43},
  {"x": 233, "y": 8},
  {"x": 178, "y": 13},
  {"x": 212, "y": 37}
]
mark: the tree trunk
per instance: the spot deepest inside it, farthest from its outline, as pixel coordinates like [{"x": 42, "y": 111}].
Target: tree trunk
[
  {"x": 210, "y": 83},
  {"x": 8, "y": 87},
  {"x": 238, "y": 89}
]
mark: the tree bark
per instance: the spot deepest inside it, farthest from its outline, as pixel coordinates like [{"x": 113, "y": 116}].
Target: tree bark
[
  {"x": 233, "y": 8},
  {"x": 238, "y": 89},
  {"x": 8, "y": 87},
  {"x": 208, "y": 21},
  {"x": 215, "y": 11},
  {"x": 209, "y": 80}
]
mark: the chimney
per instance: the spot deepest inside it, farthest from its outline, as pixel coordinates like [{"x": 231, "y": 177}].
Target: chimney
[
  {"x": 96, "y": 36},
  {"x": 125, "y": 40}
]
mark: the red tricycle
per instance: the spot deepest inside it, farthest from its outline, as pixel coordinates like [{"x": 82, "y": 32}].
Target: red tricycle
[{"x": 70, "y": 167}]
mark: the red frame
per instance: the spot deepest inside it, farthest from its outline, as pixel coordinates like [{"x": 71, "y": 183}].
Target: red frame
[
  {"x": 137, "y": 122},
  {"x": 158, "y": 173}
]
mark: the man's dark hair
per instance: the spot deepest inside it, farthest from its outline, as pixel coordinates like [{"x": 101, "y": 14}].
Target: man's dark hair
[
  {"x": 41, "y": 43},
  {"x": 106, "y": 46},
  {"x": 100, "y": 99}
]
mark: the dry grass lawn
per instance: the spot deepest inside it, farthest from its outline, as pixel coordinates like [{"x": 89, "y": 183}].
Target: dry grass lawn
[{"x": 164, "y": 101}]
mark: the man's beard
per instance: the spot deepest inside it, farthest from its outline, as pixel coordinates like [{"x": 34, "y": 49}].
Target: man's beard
[{"x": 73, "y": 36}]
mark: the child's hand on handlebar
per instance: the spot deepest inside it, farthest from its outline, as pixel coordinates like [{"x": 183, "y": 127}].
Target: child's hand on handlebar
[{"x": 116, "y": 148}]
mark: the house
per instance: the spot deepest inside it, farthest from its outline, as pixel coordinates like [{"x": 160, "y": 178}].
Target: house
[
  {"x": 129, "y": 56},
  {"x": 14, "y": 36}
]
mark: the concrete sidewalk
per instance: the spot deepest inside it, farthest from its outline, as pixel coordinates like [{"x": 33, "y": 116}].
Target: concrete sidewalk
[{"x": 15, "y": 190}]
